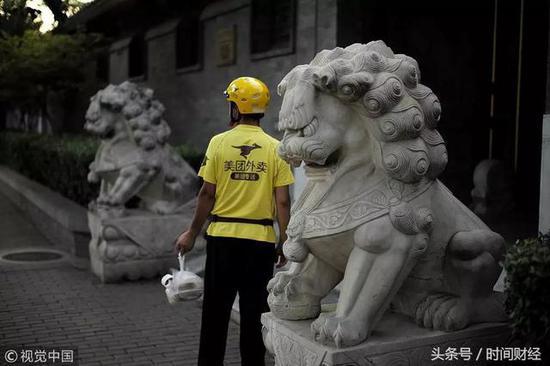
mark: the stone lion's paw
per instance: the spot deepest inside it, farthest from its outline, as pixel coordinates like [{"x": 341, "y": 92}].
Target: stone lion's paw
[
  {"x": 271, "y": 284},
  {"x": 329, "y": 329},
  {"x": 323, "y": 327},
  {"x": 349, "y": 333},
  {"x": 108, "y": 199},
  {"x": 457, "y": 317},
  {"x": 162, "y": 207},
  {"x": 103, "y": 199},
  {"x": 278, "y": 283},
  {"x": 291, "y": 288},
  {"x": 442, "y": 312}
]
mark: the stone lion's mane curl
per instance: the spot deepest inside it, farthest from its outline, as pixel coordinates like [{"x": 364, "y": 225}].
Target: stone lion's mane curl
[
  {"x": 387, "y": 88},
  {"x": 142, "y": 112}
]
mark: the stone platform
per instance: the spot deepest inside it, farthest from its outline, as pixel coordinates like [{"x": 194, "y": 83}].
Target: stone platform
[
  {"x": 139, "y": 245},
  {"x": 396, "y": 341}
]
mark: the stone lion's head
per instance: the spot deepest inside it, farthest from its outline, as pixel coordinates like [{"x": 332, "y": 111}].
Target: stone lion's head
[
  {"x": 360, "y": 95},
  {"x": 127, "y": 110}
]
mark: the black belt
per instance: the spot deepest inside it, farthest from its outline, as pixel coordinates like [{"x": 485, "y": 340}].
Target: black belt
[{"x": 265, "y": 222}]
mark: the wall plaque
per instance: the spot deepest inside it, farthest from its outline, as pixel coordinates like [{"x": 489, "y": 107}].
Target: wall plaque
[{"x": 226, "y": 44}]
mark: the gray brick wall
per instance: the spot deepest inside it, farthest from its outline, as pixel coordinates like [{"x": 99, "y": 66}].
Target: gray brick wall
[
  {"x": 118, "y": 61},
  {"x": 195, "y": 107}
]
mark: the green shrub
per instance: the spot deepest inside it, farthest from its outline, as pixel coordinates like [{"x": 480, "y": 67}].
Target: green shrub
[
  {"x": 58, "y": 162},
  {"x": 527, "y": 265},
  {"x": 61, "y": 162},
  {"x": 191, "y": 155}
]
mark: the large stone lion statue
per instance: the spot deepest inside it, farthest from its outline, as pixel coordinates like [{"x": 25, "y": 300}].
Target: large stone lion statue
[
  {"x": 134, "y": 158},
  {"x": 373, "y": 215}
]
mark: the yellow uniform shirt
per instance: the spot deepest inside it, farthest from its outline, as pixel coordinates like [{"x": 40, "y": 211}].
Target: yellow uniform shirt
[{"x": 244, "y": 165}]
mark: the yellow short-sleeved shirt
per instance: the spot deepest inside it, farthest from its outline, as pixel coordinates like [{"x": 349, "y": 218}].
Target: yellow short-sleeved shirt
[{"x": 244, "y": 165}]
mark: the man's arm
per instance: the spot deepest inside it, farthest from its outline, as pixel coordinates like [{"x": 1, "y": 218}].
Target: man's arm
[
  {"x": 205, "y": 203},
  {"x": 282, "y": 200}
]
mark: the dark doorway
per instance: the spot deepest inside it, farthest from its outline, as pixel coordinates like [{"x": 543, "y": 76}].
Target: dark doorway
[
  {"x": 469, "y": 54},
  {"x": 519, "y": 94},
  {"x": 137, "y": 57}
]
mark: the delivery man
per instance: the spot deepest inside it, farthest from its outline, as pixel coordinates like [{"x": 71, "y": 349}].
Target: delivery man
[{"x": 245, "y": 186}]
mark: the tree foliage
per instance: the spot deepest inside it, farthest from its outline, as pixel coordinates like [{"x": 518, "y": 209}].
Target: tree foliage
[
  {"x": 16, "y": 18},
  {"x": 33, "y": 64},
  {"x": 62, "y": 9}
]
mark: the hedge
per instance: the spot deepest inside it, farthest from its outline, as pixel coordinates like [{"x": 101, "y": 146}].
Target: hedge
[
  {"x": 61, "y": 162},
  {"x": 527, "y": 265}
]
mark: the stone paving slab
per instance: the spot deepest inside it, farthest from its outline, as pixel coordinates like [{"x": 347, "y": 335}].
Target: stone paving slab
[{"x": 127, "y": 323}]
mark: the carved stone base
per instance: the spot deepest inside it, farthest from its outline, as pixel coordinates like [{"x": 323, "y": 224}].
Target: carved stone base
[
  {"x": 139, "y": 244},
  {"x": 396, "y": 341}
]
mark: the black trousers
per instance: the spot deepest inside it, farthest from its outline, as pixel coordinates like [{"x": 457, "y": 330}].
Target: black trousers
[{"x": 235, "y": 265}]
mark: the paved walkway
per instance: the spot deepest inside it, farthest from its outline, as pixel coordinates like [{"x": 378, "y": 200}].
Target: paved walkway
[{"x": 56, "y": 305}]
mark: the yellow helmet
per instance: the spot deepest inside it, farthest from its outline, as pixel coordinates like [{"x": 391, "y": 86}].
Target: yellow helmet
[{"x": 249, "y": 94}]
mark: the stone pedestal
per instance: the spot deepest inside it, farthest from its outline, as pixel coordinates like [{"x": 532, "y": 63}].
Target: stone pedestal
[
  {"x": 139, "y": 244},
  {"x": 396, "y": 340}
]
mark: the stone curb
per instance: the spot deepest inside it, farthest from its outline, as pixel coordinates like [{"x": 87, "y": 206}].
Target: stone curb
[{"x": 60, "y": 220}]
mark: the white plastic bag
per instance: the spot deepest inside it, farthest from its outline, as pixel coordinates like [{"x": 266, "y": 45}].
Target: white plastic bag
[{"x": 182, "y": 285}]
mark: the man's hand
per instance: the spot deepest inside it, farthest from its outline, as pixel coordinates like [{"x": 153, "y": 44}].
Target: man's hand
[
  {"x": 280, "y": 259},
  {"x": 185, "y": 242}
]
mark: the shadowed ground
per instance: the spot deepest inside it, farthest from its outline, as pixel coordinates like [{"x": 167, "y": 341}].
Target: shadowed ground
[{"x": 52, "y": 304}]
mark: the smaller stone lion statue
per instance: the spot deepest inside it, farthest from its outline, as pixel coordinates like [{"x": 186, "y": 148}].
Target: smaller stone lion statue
[{"x": 134, "y": 158}]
